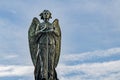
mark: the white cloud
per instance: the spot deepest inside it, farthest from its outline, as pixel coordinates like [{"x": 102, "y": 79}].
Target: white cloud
[
  {"x": 90, "y": 55},
  {"x": 10, "y": 56},
  {"x": 14, "y": 70},
  {"x": 90, "y": 71},
  {"x": 86, "y": 71}
]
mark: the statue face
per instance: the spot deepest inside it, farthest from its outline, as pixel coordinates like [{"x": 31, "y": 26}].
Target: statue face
[{"x": 46, "y": 14}]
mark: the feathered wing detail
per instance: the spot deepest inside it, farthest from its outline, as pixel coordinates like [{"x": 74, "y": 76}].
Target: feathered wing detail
[
  {"x": 57, "y": 40},
  {"x": 32, "y": 39}
]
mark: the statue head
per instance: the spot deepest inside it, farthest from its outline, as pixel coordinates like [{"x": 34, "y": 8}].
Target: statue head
[{"x": 45, "y": 15}]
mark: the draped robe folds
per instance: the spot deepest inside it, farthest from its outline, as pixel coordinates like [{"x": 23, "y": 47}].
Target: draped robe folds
[{"x": 46, "y": 47}]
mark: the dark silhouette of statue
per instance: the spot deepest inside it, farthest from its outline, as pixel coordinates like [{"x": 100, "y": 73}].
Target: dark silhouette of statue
[{"x": 45, "y": 43}]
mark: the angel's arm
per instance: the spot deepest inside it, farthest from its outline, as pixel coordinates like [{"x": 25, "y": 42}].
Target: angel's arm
[{"x": 37, "y": 31}]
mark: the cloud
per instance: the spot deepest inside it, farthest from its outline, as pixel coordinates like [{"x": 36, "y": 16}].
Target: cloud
[
  {"x": 87, "y": 71},
  {"x": 15, "y": 70},
  {"x": 90, "y": 71},
  {"x": 8, "y": 56},
  {"x": 94, "y": 55}
]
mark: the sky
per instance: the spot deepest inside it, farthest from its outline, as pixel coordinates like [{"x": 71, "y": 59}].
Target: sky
[{"x": 90, "y": 38}]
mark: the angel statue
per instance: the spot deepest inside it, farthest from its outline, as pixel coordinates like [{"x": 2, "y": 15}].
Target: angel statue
[{"x": 45, "y": 43}]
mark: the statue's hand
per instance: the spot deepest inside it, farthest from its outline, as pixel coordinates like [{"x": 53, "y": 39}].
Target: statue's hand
[
  {"x": 51, "y": 30},
  {"x": 42, "y": 31}
]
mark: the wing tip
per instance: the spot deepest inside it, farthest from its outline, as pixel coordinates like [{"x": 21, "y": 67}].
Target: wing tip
[
  {"x": 35, "y": 18},
  {"x": 56, "y": 20}
]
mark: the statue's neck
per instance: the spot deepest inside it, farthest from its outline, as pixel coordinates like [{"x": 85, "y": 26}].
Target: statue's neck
[{"x": 46, "y": 20}]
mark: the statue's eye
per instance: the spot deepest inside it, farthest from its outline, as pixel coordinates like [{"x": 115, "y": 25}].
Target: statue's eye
[{"x": 45, "y": 13}]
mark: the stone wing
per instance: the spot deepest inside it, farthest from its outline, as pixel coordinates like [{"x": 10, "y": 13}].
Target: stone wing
[
  {"x": 32, "y": 39},
  {"x": 57, "y": 40}
]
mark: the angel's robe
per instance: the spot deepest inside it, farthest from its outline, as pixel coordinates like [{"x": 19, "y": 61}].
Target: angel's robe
[
  {"x": 46, "y": 47},
  {"x": 47, "y": 35}
]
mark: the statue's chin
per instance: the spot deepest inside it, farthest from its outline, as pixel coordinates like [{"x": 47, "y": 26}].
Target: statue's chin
[{"x": 46, "y": 18}]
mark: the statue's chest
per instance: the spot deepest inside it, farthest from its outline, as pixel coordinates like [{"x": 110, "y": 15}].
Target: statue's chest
[{"x": 46, "y": 26}]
